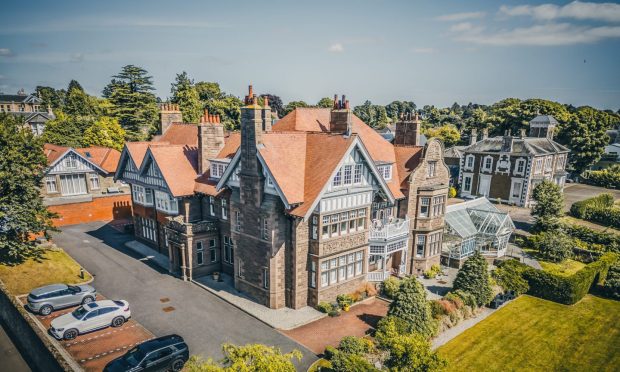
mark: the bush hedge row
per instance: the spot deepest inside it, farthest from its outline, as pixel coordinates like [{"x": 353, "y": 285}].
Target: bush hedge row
[
  {"x": 568, "y": 289},
  {"x": 597, "y": 209},
  {"x": 609, "y": 241},
  {"x": 609, "y": 178}
]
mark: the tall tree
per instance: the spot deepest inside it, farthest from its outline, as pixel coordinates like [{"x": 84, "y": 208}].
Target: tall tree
[
  {"x": 411, "y": 306},
  {"x": 22, "y": 213},
  {"x": 549, "y": 205},
  {"x": 473, "y": 278},
  {"x": 133, "y": 103},
  {"x": 78, "y": 102},
  {"x": 373, "y": 115},
  {"x": 248, "y": 358},
  {"x": 275, "y": 102},
  {"x": 51, "y": 97},
  {"x": 209, "y": 91},
  {"x": 66, "y": 130},
  {"x": 229, "y": 109},
  {"x": 106, "y": 132},
  {"x": 325, "y": 102},
  {"x": 184, "y": 94},
  {"x": 396, "y": 109}
]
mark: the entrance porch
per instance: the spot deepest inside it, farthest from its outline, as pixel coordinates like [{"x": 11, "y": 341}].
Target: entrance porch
[{"x": 387, "y": 251}]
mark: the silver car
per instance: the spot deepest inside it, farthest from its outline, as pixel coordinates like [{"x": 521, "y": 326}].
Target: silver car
[
  {"x": 90, "y": 317},
  {"x": 46, "y": 299}
]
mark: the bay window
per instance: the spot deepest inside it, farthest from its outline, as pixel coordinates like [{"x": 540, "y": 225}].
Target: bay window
[
  {"x": 142, "y": 195},
  {"x": 164, "y": 202}
]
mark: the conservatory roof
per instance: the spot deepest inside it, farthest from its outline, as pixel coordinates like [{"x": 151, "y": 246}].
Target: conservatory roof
[{"x": 477, "y": 216}]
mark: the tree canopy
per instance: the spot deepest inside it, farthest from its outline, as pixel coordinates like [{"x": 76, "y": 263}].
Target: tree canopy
[
  {"x": 448, "y": 134},
  {"x": 549, "y": 205},
  {"x": 411, "y": 306},
  {"x": 22, "y": 213},
  {"x": 248, "y": 358},
  {"x": 473, "y": 278},
  {"x": 185, "y": 94},
  {"x": 106, "y": 132}
]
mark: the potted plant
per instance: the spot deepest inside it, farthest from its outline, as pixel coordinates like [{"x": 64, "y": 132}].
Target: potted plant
[
  {"x": 346, "y": 307},
  {"x": 216, "y": 276}
]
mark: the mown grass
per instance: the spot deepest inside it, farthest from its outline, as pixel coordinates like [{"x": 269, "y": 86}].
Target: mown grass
[
  {"x": 531, "y": 334},
  {"x": 565, "y": 268},
  {"x": 52, "y": 267}
]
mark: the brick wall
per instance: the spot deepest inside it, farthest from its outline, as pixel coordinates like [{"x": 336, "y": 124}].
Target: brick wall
[{"x": 106, "y": 208}]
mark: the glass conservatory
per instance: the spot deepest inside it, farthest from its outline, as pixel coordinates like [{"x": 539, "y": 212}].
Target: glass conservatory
[{"x": 475, "y": 225}]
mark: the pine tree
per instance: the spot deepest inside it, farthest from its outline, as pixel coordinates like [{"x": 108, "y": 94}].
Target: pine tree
[
  {"x": 473, "y": 278},
  {"x": 549, "y": 205},
  {"x": 411, "y": 306},
  {"x": 22, "y": 213},
  {"x": 184, "y": 94},
  {"x": 133, "y": 103}
]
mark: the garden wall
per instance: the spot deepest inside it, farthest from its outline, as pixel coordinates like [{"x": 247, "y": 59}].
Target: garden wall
[
  {"x": 105, "y": 208},
  {"x": 32, "y": 343}
]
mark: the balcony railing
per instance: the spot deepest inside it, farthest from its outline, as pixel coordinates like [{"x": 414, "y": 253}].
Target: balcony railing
[
  {"x": 377, "y": 276},
  {"x": 384, "y": 230},
  {"x": 176, "y": 223}
]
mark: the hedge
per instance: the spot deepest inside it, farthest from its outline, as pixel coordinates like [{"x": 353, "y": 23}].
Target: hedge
[
  {"x": 571, "y": 289},
  {"x": 597, "y": 209},
  {"x": 609, "y": 178},
  {"x": 610, "y": 241}
]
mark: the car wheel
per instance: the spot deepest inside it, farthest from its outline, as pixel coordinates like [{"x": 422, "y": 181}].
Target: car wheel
[
  {"x": 46, "y": 310},
  {"x": 118, "y": 321},
  {"x": 70, "y": 334},
  {"x": 177, "y": 365},
  {"x": 87, "y": 300}
]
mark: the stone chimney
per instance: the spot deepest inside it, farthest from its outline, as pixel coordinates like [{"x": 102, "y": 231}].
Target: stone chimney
[
  {"x": 485, "y": 133},
  {"x": 255, "y": 121},
  {"x": 169, "y": 113},
  {"x": 408, "y": 130},
  {"x": 341, "y": 117},
  {"x": 473, "y": 136},
  {"x": 210, "y": 139},
  {"x": 507, "y": 142}
]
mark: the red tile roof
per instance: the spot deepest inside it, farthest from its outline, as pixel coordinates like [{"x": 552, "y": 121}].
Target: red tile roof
[
  {"x": 407, "y": 160},
  {"x": 180, "y": 134},
  {"x": 103, "y": 157}
]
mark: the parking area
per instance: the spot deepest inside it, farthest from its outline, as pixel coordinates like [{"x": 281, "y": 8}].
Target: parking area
[{"x": 93, "y": 350}]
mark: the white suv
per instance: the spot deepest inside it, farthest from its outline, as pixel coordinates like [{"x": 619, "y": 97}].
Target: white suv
[{"x": 90, "y": 317}]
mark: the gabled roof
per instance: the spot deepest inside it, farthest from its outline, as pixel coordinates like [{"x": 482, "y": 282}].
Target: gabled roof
[
  {"x": 317, "y": 120},
  {"x": 207, "y": 186},
  {"x": 524, "y": 146},
  {"x": 104, "y": 158},
  {"x": 407, "y": 160},
  {"x": 178, "y": 165}
]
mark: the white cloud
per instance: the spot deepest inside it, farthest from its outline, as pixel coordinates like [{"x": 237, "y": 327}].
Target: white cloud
[
  {"x": 461, "y": 16},
  {"x": 576, "y": 10},
  {"x": 6, "y": 52},
  {"x": 542, "y": 35},
  {"x": 424, "y": 50},
  {"x": 336, "y": 48},
  {"x": 466, "y": 27}
]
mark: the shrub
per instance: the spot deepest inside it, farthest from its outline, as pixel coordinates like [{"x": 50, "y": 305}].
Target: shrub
[
  {"x": 455, "y": 299},
  {"x": 468, "y": 298},
  {"x": 324, "y": 307},
  {"x": 356, "y": 345},
  {"x": 448, "y": 306},
  {"x": 412, "y": 352},
  {"x": 390, "y": 286},
  {"x": 343, "y": 362},
  {"x": 509, "y": 276},
  {"x": 598, "y": 209},
  {"x": 473, "y": 277},
  {"x": 611, "y": 287},
  {"x": 452, "y": 192},
  {"x": 334, "y": 313},
  {"x": 329, "y": 352},
  {"x": 609, "y": 178},
  {"x": 432, "y": 272},
  {"x": 344, "y": 299},
  {"x": 390, "y": 327},
  {"x": 555, "y": 246},
  {"x": 410, "y": 304},
  {"x": 370, "y": 289},
  {"x": 436, "y": 309},
  {"x": 358, "y": 295},
  {"x": 610, "y": 241}
]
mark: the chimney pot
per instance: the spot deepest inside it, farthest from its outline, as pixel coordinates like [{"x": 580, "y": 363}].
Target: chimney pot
[
  {"x": 254, "y": 100},
  {"x": 266, "y": 98},
  {"x": 250, "y": 91}
]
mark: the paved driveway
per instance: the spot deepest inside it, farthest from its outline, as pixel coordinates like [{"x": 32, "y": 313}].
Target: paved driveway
[
  {"x": 204, "y": 320},
  {"x": 577, "y": 191}
]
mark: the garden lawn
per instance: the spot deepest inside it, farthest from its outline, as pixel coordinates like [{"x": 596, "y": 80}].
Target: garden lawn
[
  {"x": 565, "y": 268},
  {"x": 53, "y": 267},
  {"x": 535, "y": 334}
]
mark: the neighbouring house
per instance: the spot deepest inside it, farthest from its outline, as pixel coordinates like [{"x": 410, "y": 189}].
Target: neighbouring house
[
  {"x": 475, "y": 225},
  {"x": 296, "y": 212},
  {"x": 452, "y": 156},
  {"x": 29, "y": 107},
  {"x": 79, "y": 185},
  {"x": 508, "y": 168}
]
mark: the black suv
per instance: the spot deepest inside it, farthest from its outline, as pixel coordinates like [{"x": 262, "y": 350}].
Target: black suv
[{"x": 160, "y": 354}]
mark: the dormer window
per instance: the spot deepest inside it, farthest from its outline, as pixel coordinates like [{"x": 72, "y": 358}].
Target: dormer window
[
  {"x": 385, "y": 171},
  {"x": 217, "y": 169}
]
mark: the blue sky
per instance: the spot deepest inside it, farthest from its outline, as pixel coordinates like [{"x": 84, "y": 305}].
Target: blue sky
[{"x": 430, "y": 52}]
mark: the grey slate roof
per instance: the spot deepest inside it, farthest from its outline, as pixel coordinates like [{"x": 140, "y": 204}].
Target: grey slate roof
[
  {"x": 454, "y": 152},
  {"x": 524, "y": 146},
  {"x": 544, "y": 119},
  {"x": 12, "y": 98}
]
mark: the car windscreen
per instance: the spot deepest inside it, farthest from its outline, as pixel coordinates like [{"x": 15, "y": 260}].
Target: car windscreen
[
  {"x": 134, "y": 356},
  {"x": 74, "y": 289},
  {"x": 35, "y": 297},
  {"x": 79, "y": 312}
]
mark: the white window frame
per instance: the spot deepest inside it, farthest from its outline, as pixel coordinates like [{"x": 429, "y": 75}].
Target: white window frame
[
  {"x": 217, "y": 169},
  {"x": 94, "y": 181},
  {"x": 211, "y": 206},
  {"x": 265, "y": 277},
  {"x": 166, "y": 203},
  {"x": 78, "y": 181},
  {"x": 237, "y": 221},
  {"x": 347, "y": 172},
  {"x": 431, "y": 169},
  {"x": 520, "y": 163},
  {"x": 212, "y": 250},
  {"x": 469, "y": 162},
  {"x": 70, "y": 162},
  {"x": 142, "y": 195},
  {"x": 485, "y": 167},
  {"x": 265, "y": 229},
  {"x": 420, "y": 240},
  {"x": 50, "y": 184},
  {"x": 337, "y": 181},
  {"x": 200, "y": 257},
  {"x": 425, "y": 202},
  {"x": 471, "y": 182},
  {"x": 224, "y": 209},
  {"x": 357, "y": 174}
]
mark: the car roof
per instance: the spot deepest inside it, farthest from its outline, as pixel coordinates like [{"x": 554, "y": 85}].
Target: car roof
[
  {"x": 161, "y": 342},
  {"x": 99, "y": 304},
  {"x": 48, "y": 289}
]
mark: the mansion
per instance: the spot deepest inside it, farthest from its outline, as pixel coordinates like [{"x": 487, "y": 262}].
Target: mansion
[
  {"x": 29, "y": 107},
  {"x": 296, "y": 210}
]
